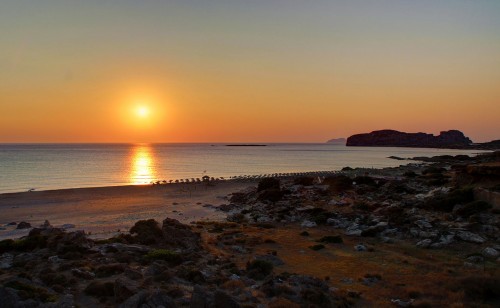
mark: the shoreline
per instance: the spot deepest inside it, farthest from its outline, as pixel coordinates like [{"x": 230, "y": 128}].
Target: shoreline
[{"x": 105, "y": 210}]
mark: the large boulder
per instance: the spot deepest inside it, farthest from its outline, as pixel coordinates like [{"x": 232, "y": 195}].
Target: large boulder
[{"x": 178, "y": 235}]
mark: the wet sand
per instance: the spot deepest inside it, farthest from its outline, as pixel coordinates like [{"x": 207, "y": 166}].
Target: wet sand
[{"x": 103, "y": 211}]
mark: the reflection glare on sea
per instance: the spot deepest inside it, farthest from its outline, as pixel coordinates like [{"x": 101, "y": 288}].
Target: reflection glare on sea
[{"x": 142, "y": 169}]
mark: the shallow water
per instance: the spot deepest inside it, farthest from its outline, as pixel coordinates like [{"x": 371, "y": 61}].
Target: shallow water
[{"x": 54, "y": 166}]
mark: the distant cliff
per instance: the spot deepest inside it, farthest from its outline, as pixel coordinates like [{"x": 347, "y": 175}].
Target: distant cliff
[
  {"x": 337, "y": 141},
  {"x": 393, "y": 138}
]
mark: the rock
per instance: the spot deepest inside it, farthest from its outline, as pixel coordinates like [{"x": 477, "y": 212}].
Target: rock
[
  {"x": 424, "y": 243},
  {"x": 341, "y": 202},
  {"x": 124, "y": 288},
  {"x": 80, "y": 273},
  {"x": 198, "y": 298},
  {"x": 6, "y": 261},
  {"x": 353, "y": 229},
  {"x": 308, "y": 224},
  {"x": 423, "y": 224},
  {"x": 66, "y": 301},
  {"x": 467, "y": 236},
  {"x": 132, "y": 274},
  {"x": 135, "y": 301},
  {"x": 159, "y": 298},
  {"x": 360, "y": 247},
  {"x": 490, "y": 252},
  {"x": 238, "y": 249},
  {"x": 337, "y": 223},
  {"x": 401, "y": 303},
  {"x": 9, "y": 298},
  {"x": 23, "y": 225},
  {"x": 374, "y": 230},
  {"x": 54, "y": 259},
  {"x": 475, "y": 259},
  {"x": 223, "y": 300},
  {"x": 67, "y": 226}
]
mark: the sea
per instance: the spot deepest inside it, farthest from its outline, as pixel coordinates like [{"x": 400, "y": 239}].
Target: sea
[{"x": 26, "y": 167}]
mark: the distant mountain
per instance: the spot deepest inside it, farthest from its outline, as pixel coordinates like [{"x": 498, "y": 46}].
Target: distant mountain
[
  {"x": 393, "y": 138},
  {"x": 337, "y": 141},
  {"x": 492, "y": 145}
]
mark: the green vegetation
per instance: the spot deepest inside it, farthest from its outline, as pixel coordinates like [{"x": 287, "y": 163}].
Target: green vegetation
[
  {"x": 167, "y": 255},
  {"x": 25, "y": 244},
  {"x": 27, "y": 291}
]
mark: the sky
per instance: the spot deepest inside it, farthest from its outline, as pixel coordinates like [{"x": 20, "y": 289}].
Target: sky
[{"x": 246, "y": 71}]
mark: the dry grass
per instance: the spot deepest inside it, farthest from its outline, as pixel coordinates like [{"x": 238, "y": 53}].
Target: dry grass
[{"x": 430, "y": 277}]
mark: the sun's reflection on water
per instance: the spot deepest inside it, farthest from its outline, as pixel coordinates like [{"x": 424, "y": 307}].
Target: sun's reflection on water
[{"x": 142, "y": 169}]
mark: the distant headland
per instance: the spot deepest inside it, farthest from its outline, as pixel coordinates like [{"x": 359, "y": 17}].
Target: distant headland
[
  {"x": 452, "y": 139},
  {"x": 337, "y": 141}
]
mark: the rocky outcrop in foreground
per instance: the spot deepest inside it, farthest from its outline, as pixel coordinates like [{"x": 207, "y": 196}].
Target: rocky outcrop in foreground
[{"x": 393, "y": 138}]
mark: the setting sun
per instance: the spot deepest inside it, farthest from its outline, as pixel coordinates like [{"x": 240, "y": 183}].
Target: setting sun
[{"x": 142, "y": 111}]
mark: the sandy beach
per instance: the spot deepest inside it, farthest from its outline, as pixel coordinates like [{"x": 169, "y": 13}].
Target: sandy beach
[{"x": 102, "y": 211}]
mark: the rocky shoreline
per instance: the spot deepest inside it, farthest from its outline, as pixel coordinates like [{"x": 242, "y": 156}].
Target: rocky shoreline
[{"x": 422, "y": 235}]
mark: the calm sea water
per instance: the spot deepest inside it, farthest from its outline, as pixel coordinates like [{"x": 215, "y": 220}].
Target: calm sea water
[{"x": 54, "y": 166}]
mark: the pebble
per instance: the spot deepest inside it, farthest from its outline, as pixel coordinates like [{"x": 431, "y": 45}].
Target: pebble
[
  {"x": 490, "y": 252},
  {"x": 308, "y": 224},
  {"x": 360, "y": 247}
]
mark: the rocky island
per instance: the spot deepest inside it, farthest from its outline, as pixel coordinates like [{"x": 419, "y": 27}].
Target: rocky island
[{"x": 394, "y": 138}]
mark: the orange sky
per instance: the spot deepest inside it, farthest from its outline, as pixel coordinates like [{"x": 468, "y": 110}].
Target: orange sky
[{"x": 229, "y": 71}]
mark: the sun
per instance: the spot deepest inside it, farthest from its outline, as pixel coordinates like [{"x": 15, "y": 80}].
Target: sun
[{"x": 142, "y": 111}]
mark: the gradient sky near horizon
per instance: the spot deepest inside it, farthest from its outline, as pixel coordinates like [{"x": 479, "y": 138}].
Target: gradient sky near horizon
[{"x": 246, "y": 71}]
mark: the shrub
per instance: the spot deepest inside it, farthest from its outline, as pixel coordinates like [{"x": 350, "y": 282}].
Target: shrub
[
  {"x": 317, "y": 247},
  {"x": 148, "y": 231},
  {"x": 268, "y": 183},
  {"x": 480, "y": 288},
  {"x": 272, "y": 195},
  {"x": 472, "y": 208},
  {"x": 167, "y": 255},
  {"x": 304, "y": 180},
  {"x": 100, "y": 289},
  {"x": 433, "y": 170},
  {"x": 365, "y": 180},
  {"x": 331, "y": 239},
  {"x": 6, "y": 245},
  {"x": 259, "y": 269},
  {"x": 338, "y": 182},
  {"x": 445, "y": 203},
  {"x": 410, "y": 174}
]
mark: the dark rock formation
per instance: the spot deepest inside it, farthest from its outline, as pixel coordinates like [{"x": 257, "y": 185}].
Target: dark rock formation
[{"x": 393, "y": 138}]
